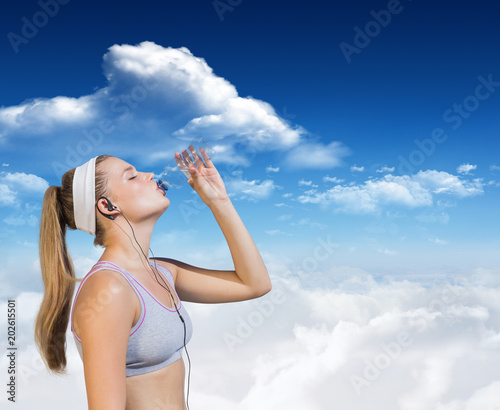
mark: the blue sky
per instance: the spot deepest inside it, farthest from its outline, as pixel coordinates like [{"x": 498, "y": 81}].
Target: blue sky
[{"x": 388, "y": 151}]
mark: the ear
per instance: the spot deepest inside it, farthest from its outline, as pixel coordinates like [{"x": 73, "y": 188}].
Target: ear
[{"x": 106, "y": 208}]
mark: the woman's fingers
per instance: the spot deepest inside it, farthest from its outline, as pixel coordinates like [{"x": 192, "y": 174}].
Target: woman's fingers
[
  {"x": 207, "y": 159},
  {"x": 196, "y": 157},
  {"x": 187, "y": 159}
]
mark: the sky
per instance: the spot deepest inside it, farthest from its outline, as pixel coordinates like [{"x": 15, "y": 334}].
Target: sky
[{"x": 359, "y": 144}]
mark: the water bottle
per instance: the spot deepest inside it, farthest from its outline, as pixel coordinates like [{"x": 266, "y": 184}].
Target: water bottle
[{"x": 176, "y": 172}]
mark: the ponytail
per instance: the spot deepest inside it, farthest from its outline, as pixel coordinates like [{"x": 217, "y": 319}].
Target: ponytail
[
  {"x": 58, "y": 273},
  {"x": 59, "y": 279}
]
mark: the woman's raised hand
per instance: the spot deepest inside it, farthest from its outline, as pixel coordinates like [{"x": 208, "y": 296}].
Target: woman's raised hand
[{"x": 205, "y": 179}]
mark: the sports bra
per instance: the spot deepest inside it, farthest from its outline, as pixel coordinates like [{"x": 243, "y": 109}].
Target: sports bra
[{"x": 157, "y": 339}]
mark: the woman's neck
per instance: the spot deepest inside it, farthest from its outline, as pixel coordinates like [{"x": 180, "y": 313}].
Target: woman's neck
[{"x": 126, "y": 250}]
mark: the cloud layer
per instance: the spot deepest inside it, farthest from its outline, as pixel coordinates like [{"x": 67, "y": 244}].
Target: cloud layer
[
  {"x": 409, "y": 191},
  {"x": 359, "y": 343}
]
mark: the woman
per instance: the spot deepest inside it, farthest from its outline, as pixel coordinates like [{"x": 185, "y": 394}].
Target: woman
[{"x": 126, "y": 324}]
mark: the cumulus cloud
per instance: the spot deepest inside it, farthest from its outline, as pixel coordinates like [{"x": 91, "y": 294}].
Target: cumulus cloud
[
  {"x": 315, "y": 155},
  {"x": 385, "y": 168},
  {"x": 431, "y": 345},
  {"x": 271, "y": 169},
  {"x": 408, "y": 191},
  {"x": 166, "y": 97},
  {"x": 7, "y": 196},
  {"x": 253, "y": 190},
  {"x": 26, "y": 182},
  {"x": 303, "y": 182},
  {"x": 335, "y": 180},
  {"x": 13, "y": 185},
  {"x": 355, "y": 168},
  {"x": 466, "y": 168}
]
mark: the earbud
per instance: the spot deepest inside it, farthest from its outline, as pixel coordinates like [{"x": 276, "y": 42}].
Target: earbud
[{"x": 111, "y": 207}]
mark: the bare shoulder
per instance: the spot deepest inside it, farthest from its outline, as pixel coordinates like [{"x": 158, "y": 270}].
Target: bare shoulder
[
  {"x": 170, "y": 264},
  {"x": 104, "y": 291}
]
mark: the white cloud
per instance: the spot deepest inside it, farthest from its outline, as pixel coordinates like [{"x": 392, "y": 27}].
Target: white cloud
[
  {"x": 442, "y": 217},
  {"x": 42, "y": 115},
  {"x": 7, "y": 197},
  {"x": 443, "y": 182},
  {"x": 27, "y": 182},
  {"x": 386, "y": 251},
  {"x": 357, "y": 337},
  {"x": 167, "y": 96},
  {"x": 303, "y": 182},
  {"x": 275, "y": 232},
  {"x": 252, "y": 190},
  {"x": 466, "y": 168},
  {"x": 484, "y": 398},
  {"x": 314, "y": 155},
  {"x": 355, "y": 168},
  {"x": 335, "y": 180},
  {"x": 271, "y": 169},
  {"x": 438, "y": 241},
  {"x": 20, "y": 220},
  {"x": 385, "y": 168},
  {"x": 494, "y": 168},
  {"x": 408, "y": 191}
]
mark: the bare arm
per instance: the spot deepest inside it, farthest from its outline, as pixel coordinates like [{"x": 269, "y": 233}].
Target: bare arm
[
  {"x": 104, "y": 318},
  {"x": 250, "y": 278}
]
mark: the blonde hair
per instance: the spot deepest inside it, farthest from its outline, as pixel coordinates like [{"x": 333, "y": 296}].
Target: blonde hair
[{"x": 58, "y": 273}]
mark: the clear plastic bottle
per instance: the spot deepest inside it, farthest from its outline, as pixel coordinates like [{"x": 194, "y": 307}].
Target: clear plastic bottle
[{"x": 176, "y": 173}]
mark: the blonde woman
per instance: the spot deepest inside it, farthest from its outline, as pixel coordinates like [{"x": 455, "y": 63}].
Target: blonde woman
[{"x": 127, "y": 317}]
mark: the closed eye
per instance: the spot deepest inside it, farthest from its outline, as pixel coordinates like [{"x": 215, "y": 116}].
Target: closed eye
[{"x": 135, "y": 176}]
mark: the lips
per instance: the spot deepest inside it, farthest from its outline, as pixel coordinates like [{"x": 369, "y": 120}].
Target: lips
[{"x": 161, "y": 187}]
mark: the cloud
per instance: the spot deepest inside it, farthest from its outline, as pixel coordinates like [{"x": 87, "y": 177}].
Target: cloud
[
  {"x": 167, "y": 96},
  {"x": 271, "y": 169},
  {"x": 357, "y": 336},
  {"x": 303, "y": 182},
  {"x": 466, "y": 168},
  {"x": 253, "y": 190},
  {"x": 7, "y": 196},
  {"x": 405, "y": 191},
  {"x": 275, "y": 232},
  {"x": 442, "y": 217},
  {"x": 494, "y": 168},
  {"x": 385, "y": 169},
  {"x": 386, "y": 251},
  {"x": 26, "y": 182},
  {"x": 13, "y": 185},
  {"x": 355, "y": 168},
  {"x": 335, "y": 180},
  {"x": 315, "y": 155},
  {"x": 20, "y": 220},
  {"x": 438, "y": 241},
  {"x": 440, "y": 182}
]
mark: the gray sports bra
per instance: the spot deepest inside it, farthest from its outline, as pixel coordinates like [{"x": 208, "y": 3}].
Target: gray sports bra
[{"x": 157, "y": 339}]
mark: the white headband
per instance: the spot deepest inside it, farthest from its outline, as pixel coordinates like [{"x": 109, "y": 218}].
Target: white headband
[{"x": 84, "y": 197}]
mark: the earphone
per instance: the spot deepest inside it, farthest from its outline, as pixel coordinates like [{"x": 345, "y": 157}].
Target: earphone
[{"x": 111, "y": 207}]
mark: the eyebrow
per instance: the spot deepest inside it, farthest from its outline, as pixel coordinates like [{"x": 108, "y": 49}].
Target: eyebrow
[{"x": 129, "y": 168}]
